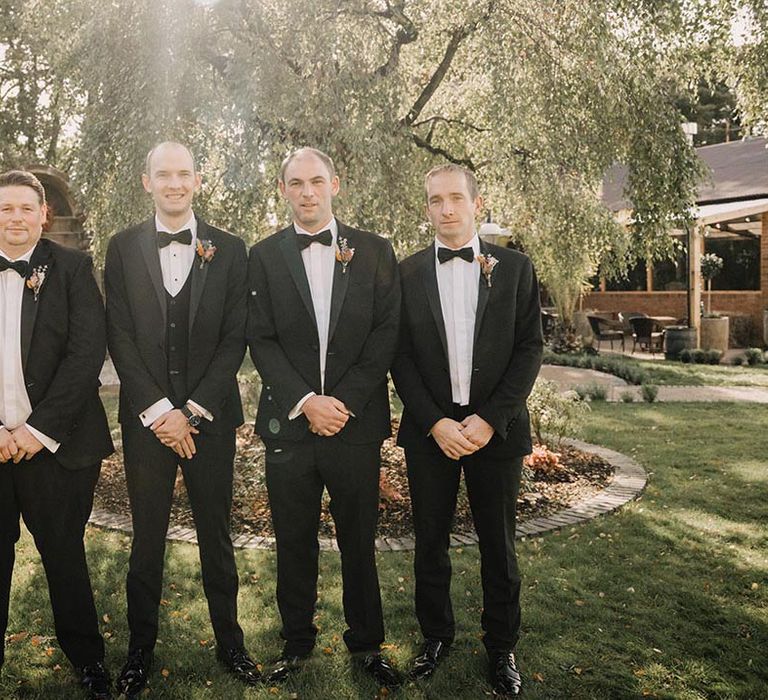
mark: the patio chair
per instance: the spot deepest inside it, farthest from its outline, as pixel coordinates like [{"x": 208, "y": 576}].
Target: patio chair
[
  {"x": 647, "y": 333},
  {"x": 603, "y": 329},
  {"x": 548, "y": 321}
]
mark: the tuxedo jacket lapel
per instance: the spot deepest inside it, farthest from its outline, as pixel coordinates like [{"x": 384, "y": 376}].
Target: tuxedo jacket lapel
[
  {"x": 148, "y": 245},
  {"x": 484, "y": 291},
  {"x": 41, "y": 256},
  {"x": 340, "y": 282},
  {"x": 199, "y": 274},
  {"x": 292, "y": 256},
  {"x": 429, "y": 275}
]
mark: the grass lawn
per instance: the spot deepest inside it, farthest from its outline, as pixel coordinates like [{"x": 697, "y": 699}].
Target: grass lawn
[{"x": 668, "y": 598}]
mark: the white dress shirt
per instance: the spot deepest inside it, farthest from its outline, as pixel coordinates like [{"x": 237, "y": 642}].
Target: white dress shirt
[
  {"x": 319, "y": 263},
  {"x": 176, "y": 260},
  {"x": 15, "y": 407},
  {"x": 458, "y": 282}
]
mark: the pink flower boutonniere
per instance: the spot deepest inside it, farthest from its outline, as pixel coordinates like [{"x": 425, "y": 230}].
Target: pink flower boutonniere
[
  {"x": 344, "y": 254},
  {"x": 487, "y": 263},
  {"x": 36, "y": 279},
  {"x": 205, "y": 251}
]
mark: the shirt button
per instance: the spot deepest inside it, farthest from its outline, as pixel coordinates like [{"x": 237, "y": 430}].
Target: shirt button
[
  {"x": 173, "y": 325},
  {"x": 173, "y": 347}
]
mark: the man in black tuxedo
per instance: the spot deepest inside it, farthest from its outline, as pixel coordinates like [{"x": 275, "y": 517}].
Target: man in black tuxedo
[
  {"x": 322, "y": 329},
  {"x": 176, "y": 308},
  {"x": 469, "y": 352},
  {"x": 53, "y": 429}
]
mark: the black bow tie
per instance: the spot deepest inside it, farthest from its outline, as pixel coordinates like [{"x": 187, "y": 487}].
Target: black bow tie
[
  {"x": 19, "y": 266},
  {"x": 164, "y": 238},
  {"x": 446, "y": 254},
  {"x": 324, "y": 238}
]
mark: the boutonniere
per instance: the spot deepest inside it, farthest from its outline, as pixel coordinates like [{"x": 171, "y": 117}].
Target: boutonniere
[
  {"x": 36, "y": 279},
  {"x": 487, "y": 263},
  {"x": 205, "y": 251},
  {"x": 344, "y": 253}
]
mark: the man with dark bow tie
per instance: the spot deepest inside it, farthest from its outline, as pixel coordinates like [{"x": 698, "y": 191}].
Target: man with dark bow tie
[
  {"x": 322, "y": 328},
  {"x": 176, "y": 309},
  {"x": 53, "y": 429},
  {"x": 469, "y": 352}
]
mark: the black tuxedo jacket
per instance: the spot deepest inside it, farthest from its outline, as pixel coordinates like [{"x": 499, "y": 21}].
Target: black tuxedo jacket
[
  {"x": 136, "y": 324},
  {"x": 505, "y": 360},
  {"x": 283, "y": 338},
  {"x": 63, "y": 345}
]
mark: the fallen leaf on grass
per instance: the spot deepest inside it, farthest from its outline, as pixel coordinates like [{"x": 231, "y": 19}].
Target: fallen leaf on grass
[
  {"x": 165, "y": 673},
  {"x": 538, "y": 677},
  {"x": 18, "y": 637}
]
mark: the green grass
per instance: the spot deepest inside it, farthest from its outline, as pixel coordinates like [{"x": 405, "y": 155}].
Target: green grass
[
  {"x": 665, "y": 372},
  {"x": 667, "y": 598}
]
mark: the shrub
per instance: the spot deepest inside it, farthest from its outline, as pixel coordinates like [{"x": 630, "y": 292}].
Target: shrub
[
  {"x": 543, "y": 460},
  {"x": 698, "y": 356},
  {"x": 627, "y": 396},
  {"x": 554, "y": 413},
  {"x": 754, "y": 356},
  {"x": 618, "y": 366},
  {"x": 739, "y": 360},
  {"x": 649, "y": 392},
  {"x": 597, "y": 392},
  {"x": 685, "y": 355},
  {"x": 713, "y": 357}
]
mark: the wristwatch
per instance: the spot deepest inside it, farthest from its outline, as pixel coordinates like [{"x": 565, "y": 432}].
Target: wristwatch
[{"x": 192, "y": 418}]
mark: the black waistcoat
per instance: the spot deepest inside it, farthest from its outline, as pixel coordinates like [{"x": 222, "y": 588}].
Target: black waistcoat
[{"x": 177, "y": 340}]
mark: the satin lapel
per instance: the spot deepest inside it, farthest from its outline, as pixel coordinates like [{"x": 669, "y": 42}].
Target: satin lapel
[
  {"x": 484, "y": 291},
  {"x": 41, "y": 256},
  {"x": 429, "y": 275},
  {"x": 148, "y": 245},
  {"x": 340, "y": 282},
  {"x": 290, "y": 251},
  {"x": 199, "y": 274}
]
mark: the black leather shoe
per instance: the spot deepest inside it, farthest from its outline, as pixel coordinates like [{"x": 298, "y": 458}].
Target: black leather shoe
[
  {"x": 424, "y": 665},
  {"x": 133, "y": 678},
  {"x": 503, "y": 674},
  {"x": 284, "y": 667},
  {"x": 95, "y": 680},
  {"x": 240, "y": 665},
  {"x": 382, "y": 671}
]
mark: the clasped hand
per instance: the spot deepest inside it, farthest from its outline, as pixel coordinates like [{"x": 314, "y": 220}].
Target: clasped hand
[
  {"x": 18, "y": 444},
  {"x": 174, "y": 431},
  {"x": 459, "y": 439},
  {"x": 326, "y": 415}
]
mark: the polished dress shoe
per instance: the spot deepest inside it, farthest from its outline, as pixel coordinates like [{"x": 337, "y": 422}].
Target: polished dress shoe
[
  {"x": 285, "y": 666},
  {"x": 95, "y": 680},
  {"x": 381, "y": 671},
  {"x": 503, "y": 674},
  {"x": 240, "y": 665},
  {"x": 133, "y": 678},
  {"x": 432, "y": 653}
]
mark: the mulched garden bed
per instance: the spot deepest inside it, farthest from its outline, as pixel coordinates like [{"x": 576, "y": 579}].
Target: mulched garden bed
[{"x": 579, "y": 476}]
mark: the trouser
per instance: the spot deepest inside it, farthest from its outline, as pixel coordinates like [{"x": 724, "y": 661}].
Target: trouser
[
  {"x": 55, "y": 503},
  {"x": 296, "y": 475},
  {"x": 150, "y": 470}
]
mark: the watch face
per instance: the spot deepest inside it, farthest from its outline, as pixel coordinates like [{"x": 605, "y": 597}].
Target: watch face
[{"x": 194, "y": 420}]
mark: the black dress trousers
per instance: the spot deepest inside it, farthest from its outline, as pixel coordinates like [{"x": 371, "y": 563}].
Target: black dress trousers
[{"x": 55, "y": 503}]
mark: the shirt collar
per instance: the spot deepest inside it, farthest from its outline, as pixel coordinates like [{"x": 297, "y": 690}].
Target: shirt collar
[
  {"x": 27, "y": 256},
  {"x": 332, "y": 226},
  {"x": 191, "y": 224},
  {"x": 474, "y": 242}
]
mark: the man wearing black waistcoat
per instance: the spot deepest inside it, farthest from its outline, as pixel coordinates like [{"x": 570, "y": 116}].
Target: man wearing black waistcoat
[
  {"x": 469, "y": 352},
  {"x": 176, "y": 308},
  {"x": 322, "y": 328},
  {"x": 53, "y": 429}
]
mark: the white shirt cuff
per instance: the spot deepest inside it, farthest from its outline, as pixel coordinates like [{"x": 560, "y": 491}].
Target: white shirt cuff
[
  {"x": 205, "y": 414},
  {"x": 49, "y": 443},
  {"x": 151, "y": 414},
  {"x": 296, "y": 410}
]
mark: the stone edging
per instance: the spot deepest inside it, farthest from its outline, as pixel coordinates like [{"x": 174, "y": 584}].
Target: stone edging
[{"x": 628, "y": 481}]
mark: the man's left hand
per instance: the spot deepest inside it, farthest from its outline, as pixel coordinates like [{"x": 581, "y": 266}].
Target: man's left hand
[
  {"x": 476, "y": 430},
  {"x": 28, "y": 445}
]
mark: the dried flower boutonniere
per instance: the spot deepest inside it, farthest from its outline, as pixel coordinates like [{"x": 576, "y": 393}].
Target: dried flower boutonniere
[
  {"x": 344, "y": 253},
  {"x": 205, "y": 251},
  {"x": 36, "y": 279},
  {"x": 487, "y": 263}
]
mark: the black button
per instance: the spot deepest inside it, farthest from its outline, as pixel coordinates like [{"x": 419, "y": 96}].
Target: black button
[
  {"x": 173, "y": 303},
  {"x": 173, "y": 325},
  {"x": 173, "y": 347}
]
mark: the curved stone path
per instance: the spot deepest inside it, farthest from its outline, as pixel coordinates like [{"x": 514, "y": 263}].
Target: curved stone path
[{"x": 628, "y": 481}]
